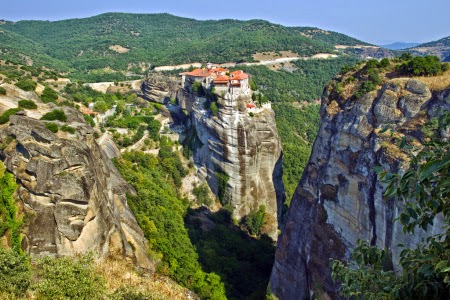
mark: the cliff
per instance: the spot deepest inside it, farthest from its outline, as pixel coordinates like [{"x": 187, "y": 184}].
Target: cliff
[
  {"x": 159, "y": 88},
  {"x": 74, "y": 197},
  {"x": 239, "y": 154},
  {"x": 340, "y": 198}
]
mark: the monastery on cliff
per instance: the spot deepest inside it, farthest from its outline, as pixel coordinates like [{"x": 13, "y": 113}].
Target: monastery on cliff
[{"x": 223, "y": 81}]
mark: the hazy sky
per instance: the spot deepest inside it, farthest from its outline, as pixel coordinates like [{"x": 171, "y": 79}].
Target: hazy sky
[{"x": 379, "y": 21}]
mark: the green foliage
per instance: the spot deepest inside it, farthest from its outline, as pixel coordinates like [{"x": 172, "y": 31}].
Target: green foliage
[
  {"x": 68, "y": 129},
  {"x": 214, "y": 108},
  {"x": 160, "y": 212},
  {"x": 54, "y": 115},
  {"x": 255, "y": 220},
  {"x": 303, "y": 84},
  {"x": 15, "y": 273},
  {"x": 101, "y": 106},
  {"x": 422, "y": 66},
  {"x": 2, "y": 91},
  {"x": 26, "y": 84},
  {"x": 49, "y": 95},
  {"x": 244, "y": 263},
  {"x": 201, "y": 192},
  {"x": 222, "y": 184},
  {"x": 4, "y": 118},
  {"x": 298, "y": 128},
  {"x": 52, "y": 127},
  {"x": 89, "y": 120},
  {"x": 68, "y": 278},
  {"x": 198, "y": 88},
  {"x": 151, "y": 38},
  {"x": 27, "y": 104},
  {"x": 425, "y": 274},
  {"x": 9, "y": 218}
]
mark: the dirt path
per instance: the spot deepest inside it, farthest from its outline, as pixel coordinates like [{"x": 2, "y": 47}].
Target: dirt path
[{"x": 261, "y": 62}]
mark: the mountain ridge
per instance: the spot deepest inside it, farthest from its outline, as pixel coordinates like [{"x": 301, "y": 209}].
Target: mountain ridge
[{"x": 159, "y": 39}]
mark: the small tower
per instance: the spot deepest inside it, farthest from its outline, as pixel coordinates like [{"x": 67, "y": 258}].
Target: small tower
[{"x": 209, "y": 66}]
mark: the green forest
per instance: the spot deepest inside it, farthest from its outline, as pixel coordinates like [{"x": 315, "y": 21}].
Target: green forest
[{"x": 154, "y": 39}]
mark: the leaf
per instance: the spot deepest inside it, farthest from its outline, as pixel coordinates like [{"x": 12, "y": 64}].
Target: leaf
[
  {"x": 434, "y": 167},
  {"x": 412, "y": 213}
]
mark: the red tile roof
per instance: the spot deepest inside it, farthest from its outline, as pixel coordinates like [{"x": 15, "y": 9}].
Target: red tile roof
[
  {"x": 238, "y": 75},
  {"x": 250, "y": 105}
]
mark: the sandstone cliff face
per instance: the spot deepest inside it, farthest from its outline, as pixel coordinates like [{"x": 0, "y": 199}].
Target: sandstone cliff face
[
  {"x": 73, "y": 193},
  {"x": 159, "y": 88},
  {"x": 247, "y": 149},
  {"x": 339, "y": 198}
]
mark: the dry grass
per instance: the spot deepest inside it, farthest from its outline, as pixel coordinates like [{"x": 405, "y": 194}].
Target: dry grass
[
  {"x": 332, "y": 108},
  {"x": 436, "y": 83},
  {"x": 118, "y": 49},
  {"x": 120, "y": 273}
]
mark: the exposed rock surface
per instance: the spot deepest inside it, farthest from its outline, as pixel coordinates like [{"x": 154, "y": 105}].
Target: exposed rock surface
[
  {"x": 339, "y": 198},
  {"x": 247, "y": 149},
  {"x": 159, "y": 88},
  {"x": 73, "y": 193}
]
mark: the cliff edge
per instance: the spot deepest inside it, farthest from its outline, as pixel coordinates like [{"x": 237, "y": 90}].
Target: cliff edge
[{"x": 340, "y": 198}]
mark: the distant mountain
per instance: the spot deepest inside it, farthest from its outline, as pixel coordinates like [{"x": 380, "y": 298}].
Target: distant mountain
[
  {"x": 123, "y": 41},
  {"x": 399, "y": 45},
  {"x": 440, "y": 48}
]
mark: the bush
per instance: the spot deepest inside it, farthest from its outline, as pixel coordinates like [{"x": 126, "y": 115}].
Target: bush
[
  {"x": 67, "y": 128},
  {"x": 214, "y": 108},
  {"x": 4, "y": 118},
  {"x": 49, "y": 95},
  {"x": 255, "y": 220},
  {"x": 2, "y": 91},
  {"x": 26, "y": 85},
  {"x": 52, "y": 127},
  {"x": 69, "y": 278},
  {"x": 89, "y": 120},
  {"x": 15, "y": 273},
  {"x": 28, "y": 104},
  {"x": 54, "y": 115},
  {"x": 422, "y": 66}
]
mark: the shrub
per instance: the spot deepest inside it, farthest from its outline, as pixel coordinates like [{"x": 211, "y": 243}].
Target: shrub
[
  {"x": 15, "y": 273},
  {"x": 52, "y": 127},
  {"x": 2, "y": 91},
  {"x": 4, "y": 118},
  {"x": 49, "y": 95},
  {"x": 67, "y": 128},
  {"x": 26, "y": 85},
  {"x": 28, "y": 104},
  {"x": 255, "y": 220},
  {"x": 214, "y": 108},
  {"x": 69, "y": 278},
  {"x": 89, "y": 120},
  {"x": 56, "y": 114},
  {"x": 422, "y": 66}
]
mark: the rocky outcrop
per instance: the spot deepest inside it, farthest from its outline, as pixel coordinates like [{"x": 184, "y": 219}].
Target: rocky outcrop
[
  {"x": 239, "y": 154},
  {"x": 159, "y": 88},
  {"x": 340, "y": 198},
  {"x": 74, "y": 196}
]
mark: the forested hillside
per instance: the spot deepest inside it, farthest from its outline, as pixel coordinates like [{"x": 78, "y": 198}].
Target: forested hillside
[{"x": 156, "y": 39}]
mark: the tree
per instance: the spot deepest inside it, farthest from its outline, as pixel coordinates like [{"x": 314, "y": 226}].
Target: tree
[
  {"x": 100, "y": 106},
  {"x": 425, "y": 190}
]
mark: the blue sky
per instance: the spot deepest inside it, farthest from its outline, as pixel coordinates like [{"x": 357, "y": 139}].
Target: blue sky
[{"x": 379, "y": 22}]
